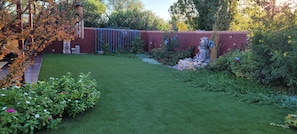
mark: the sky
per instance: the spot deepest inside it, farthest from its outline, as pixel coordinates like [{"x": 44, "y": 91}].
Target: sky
[{"x": 159, "y": 7}]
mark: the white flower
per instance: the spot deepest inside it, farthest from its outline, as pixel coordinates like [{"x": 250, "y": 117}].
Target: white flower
[
  {"x": 28, "y": 102},
  {"x": 76, "y": 101},
  {"x": 3, "y": 108},
  {"x": 37, "y": 115},
  {"x": 2, "y": 94},
  {"x": 46, "y": 111},
  {"x": 16, "y": 87},
  {"x": 30, "y": 97},
  {"x": 25, "y": 93}
]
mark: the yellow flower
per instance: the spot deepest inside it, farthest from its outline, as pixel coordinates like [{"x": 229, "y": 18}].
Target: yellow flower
[{"x": 285, "y": 54}]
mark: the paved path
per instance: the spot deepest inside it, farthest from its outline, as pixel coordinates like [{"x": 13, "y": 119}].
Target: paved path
[{"x": 31, "y": 74}]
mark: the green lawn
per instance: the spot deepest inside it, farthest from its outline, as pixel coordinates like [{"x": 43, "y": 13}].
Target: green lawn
[{"x": 140, "y": 98}]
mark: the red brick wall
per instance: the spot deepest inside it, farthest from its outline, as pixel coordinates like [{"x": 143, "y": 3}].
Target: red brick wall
[
  {"x": 86, "y": 45},
  {"x": 227, "y": 40}
]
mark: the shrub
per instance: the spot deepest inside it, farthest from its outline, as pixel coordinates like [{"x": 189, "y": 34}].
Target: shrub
[
  {"x": 41, "y": 106},
  {"x": 79, "y": 94},
  {"x": 271, "y": 60},
  {"x": 222, "y": 63},
  {"x": 171, "y": 58},
  {"x": 277, "y": 53},
  {"x": 240, "y": 63},
  {"x": 105, "y": 48},
  {"x": 137, "y": 46},
  {"x": 168, "y": 54}
]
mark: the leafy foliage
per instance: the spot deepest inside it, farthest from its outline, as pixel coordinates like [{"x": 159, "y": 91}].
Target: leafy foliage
[
  {"x": 202, "y": 15},
  {"x": 264, "y": 14},
  {"x": 277, "y": 56},
  {"x": 136, "y": 19},
  {"x": 246, "y": 90},
  {"x": 271, "y": 59},
  {"x": 51, "y": 21},
  {"x": 105, "y": 48},
  {"x": 240, "y": 63},
  {"x": 137, "y": 46},
  {"x": 41, "y": 106},
  {"x": 117, "y": 5},
  {"x": 168, "y": 54},
  {"x": 94, "y": 13}
]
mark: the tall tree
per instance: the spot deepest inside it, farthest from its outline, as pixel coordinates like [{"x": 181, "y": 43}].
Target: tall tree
[
  {"x": 136, "y": 19},
  {"x": 94, "y": 11},
  {"x": 51, "y": 21},
  {"x": 117, "y": 5},
  {"x": 202, "y": 14},
  {"x": 178, "y": 25},
  {"x": 264, "y": 14}
]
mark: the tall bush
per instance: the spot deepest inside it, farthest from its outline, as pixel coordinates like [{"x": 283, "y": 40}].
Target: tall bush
[
  {"x": 277, "y": 53},
  {"x": 271, "y": 60}
]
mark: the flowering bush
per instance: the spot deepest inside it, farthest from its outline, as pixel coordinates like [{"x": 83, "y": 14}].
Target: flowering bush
[
  {"x": 240, "y": 63},
  {"x": 42, "y": 105}
]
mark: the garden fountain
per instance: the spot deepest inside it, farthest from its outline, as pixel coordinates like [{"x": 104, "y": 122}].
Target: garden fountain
[{"x": 201, "y": 59}]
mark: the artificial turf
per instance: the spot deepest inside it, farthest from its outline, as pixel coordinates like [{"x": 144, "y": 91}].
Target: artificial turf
[{"x": 141, "y": 98}]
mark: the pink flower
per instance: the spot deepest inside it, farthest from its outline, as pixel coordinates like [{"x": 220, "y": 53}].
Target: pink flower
[
  {"x": 10, "y": 110},
  {"x": 49, "y": 118},
  {"x": 63, "y": 93}
]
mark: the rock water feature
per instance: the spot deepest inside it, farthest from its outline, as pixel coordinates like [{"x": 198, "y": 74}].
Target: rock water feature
[{"x": 200, "y": 60}]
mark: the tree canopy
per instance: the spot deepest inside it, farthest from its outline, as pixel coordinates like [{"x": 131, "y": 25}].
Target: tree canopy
[
  {"x": 136, "y": 19},
  {"x": 264, "y": 14},
  {"x": 117, "y": 5},
  {"x": 234, "y": 14},
  {"x": 202, "y": 14},
  {"x": 25, "y": 38},
  {"x": 94, "y": 11}
]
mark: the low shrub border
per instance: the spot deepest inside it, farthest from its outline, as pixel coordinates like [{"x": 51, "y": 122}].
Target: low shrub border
[{"x": 41, "y": 106}]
